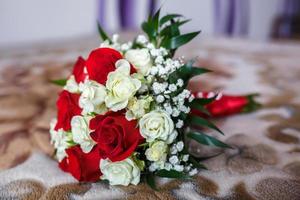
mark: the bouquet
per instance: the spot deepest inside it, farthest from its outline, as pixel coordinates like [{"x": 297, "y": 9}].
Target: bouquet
[{"x": 125, "y": 112}]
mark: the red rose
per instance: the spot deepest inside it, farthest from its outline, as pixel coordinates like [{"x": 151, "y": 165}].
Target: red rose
[
  {"x": 67, "y": 107},
  {"x": 117, "y": 137},
  {"x": 100, "y": 62},
  {"x": 78, "y": 70},
  {"x": 83, "y": 166}
]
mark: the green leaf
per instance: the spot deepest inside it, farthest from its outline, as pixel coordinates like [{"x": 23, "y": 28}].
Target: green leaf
[
  {"x": 143, "y": 144},
  {"x": 200, "y": 108},
  {"x": 156, "y": 21},
  {"x": 169, "y": 32},
  {"x": 102, "y": 33},
  {"x": 252, "y": 105},
  {"x": 60, "y": 82},
  {"x": 199, "y": 121},
  {"x": 175, "y": 42},
  {"x": 138, "y": 162},
  {"x": 150, "y": 27},
  {"x": 194, "y": 71},
  {"x": 207, "y": 140},
  {"x": 104, "y": 181},
  {"x": 186, "y": 73},
  {"x": 146, "y": 27},
  {"x": 183, "y": 116},
  {"x": 167, "y": 18},
  {"x": 172, "y": 174},
  {"x": 196, "y": 163},
  {"x": 150, "y": 180},
  {"x": 172, "y": 29},
  {"x": 203, "y": 101}
]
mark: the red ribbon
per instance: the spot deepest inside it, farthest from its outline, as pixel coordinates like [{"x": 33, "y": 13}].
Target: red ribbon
[{"x": 223, "y": 106}]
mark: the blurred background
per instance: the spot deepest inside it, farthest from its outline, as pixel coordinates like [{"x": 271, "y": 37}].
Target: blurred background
[{"x": 30, "y": 21}]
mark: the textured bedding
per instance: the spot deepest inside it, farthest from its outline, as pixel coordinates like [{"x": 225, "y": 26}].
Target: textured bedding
[{"x": 265, "y": 161}]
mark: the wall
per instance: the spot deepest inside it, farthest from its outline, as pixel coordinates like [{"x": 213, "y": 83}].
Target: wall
[{"x": 34, "y": 20}]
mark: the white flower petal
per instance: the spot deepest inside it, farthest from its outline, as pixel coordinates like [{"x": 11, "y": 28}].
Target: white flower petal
[
  {"x": 81, "y": 133},
  {"x": 121, "y": 87},
  {"x": 141, "y": 60},
  {"x": 157, "y": 124},
  {"x": 123, "y": 172}
]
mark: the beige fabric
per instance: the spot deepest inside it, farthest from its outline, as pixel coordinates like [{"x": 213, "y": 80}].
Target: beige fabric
[{"x": 265, "y": 163}]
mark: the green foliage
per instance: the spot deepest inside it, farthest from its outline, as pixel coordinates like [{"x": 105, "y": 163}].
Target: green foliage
[
  {"x": 203, "y": 101},
  {"x": 172, "y": 29},
  {"x": 252, "y": 104},
  {"x": 151, "y": 27},
  {"x": 102, "y": 33},
  {"x": 186, "y": 72},
  {"x": 150, "y": 180},
  {"x": 200, "y": 108},
  {"x": 196, "y": 163},
  {"x": 167, "y": 18},
  {"x": 177, "y": 41},
  {"x": 172, "y": 174},
  {"x": 200, "y": 103},
  {"x": 207, "y": 140},
  {"x": 165, "y": 31},
  {"x": 199, "y": 122},
  {"x": 59, "y": 82},
  {"x": 140, "y": 163}
]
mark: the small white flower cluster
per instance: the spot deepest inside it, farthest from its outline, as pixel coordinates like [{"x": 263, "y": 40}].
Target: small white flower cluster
[
  {"x": 178, "y": 161},
  {"x": 163, "y": 68},
  {"x": 163, "y": 93},
  {"x": 115, "y": 44},
  {"x": 60, "y": 140},
  {"x": 141, "y": 39},
  {"x": 175, "y": 105}
]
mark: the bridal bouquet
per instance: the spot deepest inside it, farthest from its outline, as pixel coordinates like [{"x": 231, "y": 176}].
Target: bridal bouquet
[{"x": 125, "y": 112}]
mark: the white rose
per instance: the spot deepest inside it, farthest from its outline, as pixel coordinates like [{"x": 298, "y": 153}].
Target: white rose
[
  {"x": 81, "y": 133},
  {"x": 156, "y": 125},
  {"x": 157, "y": 152},
  {"x": 71, "y": 85},
  {"x": 121, "y": 86},
  {"x": 92, "y": 98},
  {"x": 141, "y": 60},
  {"x": 60, "y": 140},
  {"x": 124, "y": 172},
  {"x": 138, "y": 107}
]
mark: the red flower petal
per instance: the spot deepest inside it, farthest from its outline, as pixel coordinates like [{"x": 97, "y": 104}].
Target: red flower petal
[
  {"x": 83, "y": 166},
  {"x": 78, "y": 70},
  {"x": 117, "y": 137},
  {"x": 67, "y": 107},
  {"x": 100, "y": 62}
]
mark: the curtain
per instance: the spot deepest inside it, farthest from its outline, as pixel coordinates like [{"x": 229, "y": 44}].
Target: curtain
[{"x": 231, "y": 17}]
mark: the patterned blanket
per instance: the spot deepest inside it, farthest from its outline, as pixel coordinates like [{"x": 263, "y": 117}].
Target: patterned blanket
[{"x": 264, "y": 165}]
